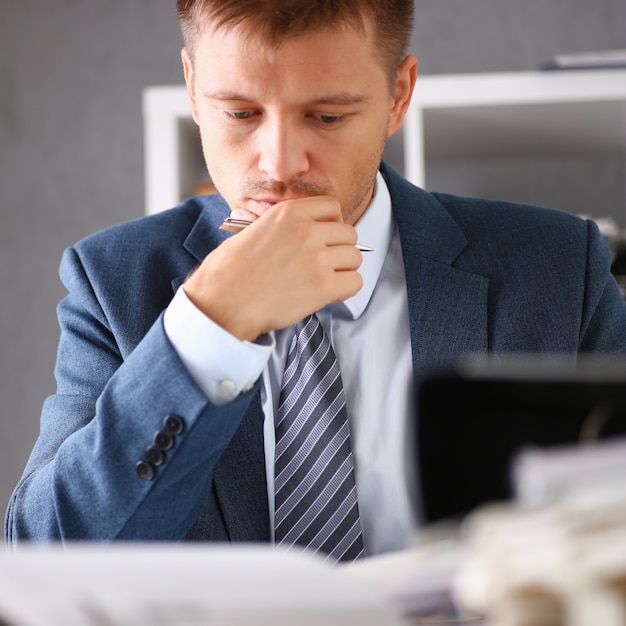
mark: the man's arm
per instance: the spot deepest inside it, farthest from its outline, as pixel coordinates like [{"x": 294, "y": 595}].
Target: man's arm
[
  {"x": 119, "y": 376},
  {"x": 81, "y": 480}
]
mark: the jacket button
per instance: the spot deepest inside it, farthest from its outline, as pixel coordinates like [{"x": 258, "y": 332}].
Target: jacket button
[
  {"x": 144, "y": 470},
  {"x": 227, "y": 386},
  {"x": 154, "y": 456},
  {"x": 173, "y": 425},
  {"x": 164, "y": 441}
]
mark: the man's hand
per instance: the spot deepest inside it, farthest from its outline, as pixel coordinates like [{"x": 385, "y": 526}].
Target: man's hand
[{"x": 296, "y": 258}]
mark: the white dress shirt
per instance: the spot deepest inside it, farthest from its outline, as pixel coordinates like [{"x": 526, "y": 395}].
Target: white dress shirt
[{"x": 370, "y": 336}]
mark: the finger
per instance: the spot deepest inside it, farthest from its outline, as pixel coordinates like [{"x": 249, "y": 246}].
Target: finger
[
  {"x": 338, "y": 234},
  {"x": 348, "y": 258},
  {"x": 347, "y": 284},
  {"x": 243, "y": 214},
  {"x": 317, "y": 208}
]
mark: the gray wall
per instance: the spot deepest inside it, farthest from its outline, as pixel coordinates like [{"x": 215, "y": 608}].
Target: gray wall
[{"x": 71, "y": 156}]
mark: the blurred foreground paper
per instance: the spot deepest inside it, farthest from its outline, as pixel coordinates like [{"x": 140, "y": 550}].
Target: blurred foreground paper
[
  {"x": 557, "y": 556},
  {"x": 183, "y": 585},
  {"x": 419, "y": 581},
  {"x": 541, "y": 474}
]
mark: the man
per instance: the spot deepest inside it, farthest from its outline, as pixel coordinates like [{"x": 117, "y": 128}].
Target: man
[{"x": 294, "y": 101}]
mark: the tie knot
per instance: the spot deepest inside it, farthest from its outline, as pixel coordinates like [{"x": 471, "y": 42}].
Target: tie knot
[{"x": 312, "y": 318}]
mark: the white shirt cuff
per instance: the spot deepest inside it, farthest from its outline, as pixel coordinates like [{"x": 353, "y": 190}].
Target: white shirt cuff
[{"x": 222, "y": 365}]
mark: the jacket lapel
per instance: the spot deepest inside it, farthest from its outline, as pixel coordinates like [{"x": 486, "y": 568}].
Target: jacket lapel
[
  {"x": 447, "y": 305},
  {"x": 205, "y": 234}
]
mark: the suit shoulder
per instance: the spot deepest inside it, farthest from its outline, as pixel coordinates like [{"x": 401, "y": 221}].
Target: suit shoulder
[
  {"x": 151, "y": 248},
  {"x": 517, "y": 237},
  {"x": 162, "y": 228},
  {"x": 481, "y": 219},
  {"x": 524, "y": 227},
  {"x": 481, "y": 214}
]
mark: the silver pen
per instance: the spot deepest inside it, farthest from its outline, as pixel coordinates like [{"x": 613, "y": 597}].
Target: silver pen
[{"x": 234, "y": 225}]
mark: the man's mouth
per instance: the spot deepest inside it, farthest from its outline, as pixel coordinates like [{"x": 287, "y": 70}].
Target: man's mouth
[{"x": 260, "y": 205}]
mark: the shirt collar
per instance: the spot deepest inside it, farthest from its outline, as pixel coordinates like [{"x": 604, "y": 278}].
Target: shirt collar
[{"x": 374, "y": 229}]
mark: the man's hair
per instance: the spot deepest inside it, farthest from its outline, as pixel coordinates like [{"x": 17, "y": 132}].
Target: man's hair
[{"x": 277, "y": 20}]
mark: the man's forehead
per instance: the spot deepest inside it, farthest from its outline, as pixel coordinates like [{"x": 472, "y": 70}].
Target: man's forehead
[
  {"x": 262, "y": 33},
  {"x": 234, "y": 42}
]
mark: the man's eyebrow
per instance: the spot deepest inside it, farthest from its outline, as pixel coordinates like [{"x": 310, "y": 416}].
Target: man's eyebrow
[
  {"x": 338, "y": 99},
  {"x": 342, "y": 99},
  {"x": 224, "y": 95}
]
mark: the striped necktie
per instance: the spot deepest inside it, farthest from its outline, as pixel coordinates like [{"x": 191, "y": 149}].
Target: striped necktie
[{"x": 316, "y": 503}]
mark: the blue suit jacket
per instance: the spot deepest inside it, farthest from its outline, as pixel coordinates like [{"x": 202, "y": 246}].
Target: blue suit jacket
[{"x": 481, "y": 276}]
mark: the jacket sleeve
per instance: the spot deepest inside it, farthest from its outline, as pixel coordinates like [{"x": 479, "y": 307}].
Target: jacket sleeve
[
  {"x": 603, "y": 328},
  {"x": 82, "y": 481}
]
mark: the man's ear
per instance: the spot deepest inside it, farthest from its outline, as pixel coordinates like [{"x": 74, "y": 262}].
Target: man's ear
[
  {"x": 405, "y": 83},
  {"x": 189, "y": 81}
]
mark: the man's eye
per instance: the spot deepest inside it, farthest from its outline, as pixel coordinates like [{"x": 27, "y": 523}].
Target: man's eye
[
  {"x": 329, "y": 119},
  {"x": 240, "y": 115}
]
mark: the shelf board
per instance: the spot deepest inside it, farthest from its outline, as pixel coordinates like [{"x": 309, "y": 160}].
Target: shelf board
[
  {"x": 519, "y": 114},
  {"x": 575, "y": 128}
]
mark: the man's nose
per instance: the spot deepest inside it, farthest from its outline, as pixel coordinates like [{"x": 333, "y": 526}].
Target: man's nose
[{"x": 282, "y": 151}]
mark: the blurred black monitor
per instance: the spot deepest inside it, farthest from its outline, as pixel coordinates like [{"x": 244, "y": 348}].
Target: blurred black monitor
[{"x": 474, "y": 420}]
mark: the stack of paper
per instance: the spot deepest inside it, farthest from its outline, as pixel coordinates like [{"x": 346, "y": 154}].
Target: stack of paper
[
  {"x": 418, "y": 581},
  {"x": 559, "y": 557},
  {"x": 541, "y": 474}
]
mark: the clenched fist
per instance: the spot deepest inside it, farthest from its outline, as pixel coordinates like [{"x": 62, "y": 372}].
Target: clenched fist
[{"x": 293, "y": 260}]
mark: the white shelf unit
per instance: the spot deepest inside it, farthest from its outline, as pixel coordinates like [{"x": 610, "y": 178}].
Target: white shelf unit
[
  {"x": 171, "y": 146},
  {"x": 451, "y": 117}
]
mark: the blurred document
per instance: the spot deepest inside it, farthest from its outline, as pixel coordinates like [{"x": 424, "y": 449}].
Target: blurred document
[
  {"x": 182, "y": 585},
  {"x": 418, "y": 582},
  {"x": 543, "y": 473}
]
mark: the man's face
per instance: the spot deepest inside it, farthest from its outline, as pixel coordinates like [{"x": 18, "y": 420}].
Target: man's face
[{"x": 309, "y": 117}]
